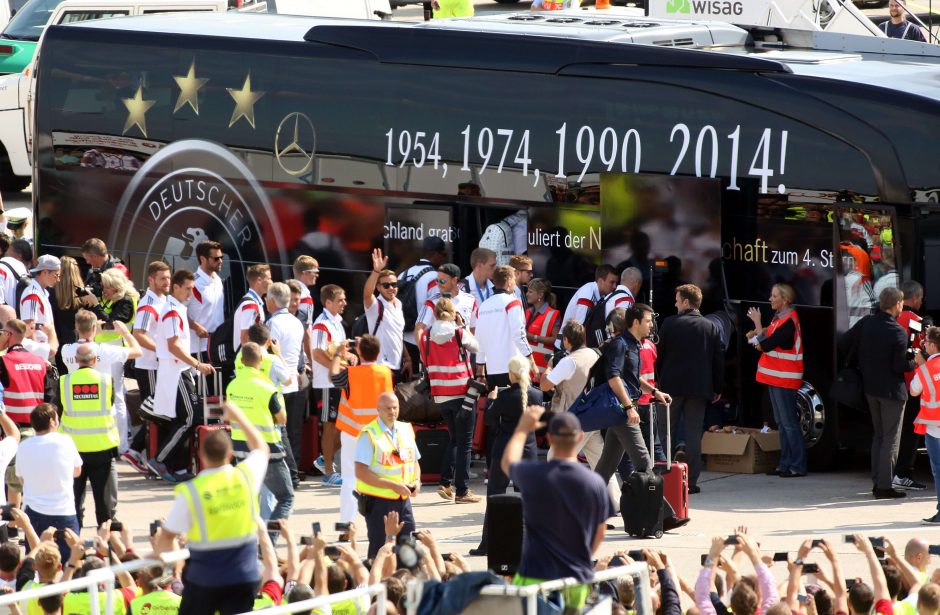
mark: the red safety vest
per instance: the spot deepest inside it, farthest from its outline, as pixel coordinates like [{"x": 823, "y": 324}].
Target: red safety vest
[
  {"x": 542, "y": 325},
  {"x": 27, "y": 375},
  {"x": 905, "y": 320},
  {"x": 929, "y": 415},
  {"x": 783, "y": 368},
  {"x": 647, "y": 367},
  {"x": 447, "y": 364}
]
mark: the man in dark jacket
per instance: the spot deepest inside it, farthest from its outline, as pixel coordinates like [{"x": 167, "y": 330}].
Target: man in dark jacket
[
  {"x": 690, "y": 367},
  {"x": 882, "y": 359}
]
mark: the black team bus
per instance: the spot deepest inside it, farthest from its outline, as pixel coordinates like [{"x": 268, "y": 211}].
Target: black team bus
[{"x": 699, "y": 152}]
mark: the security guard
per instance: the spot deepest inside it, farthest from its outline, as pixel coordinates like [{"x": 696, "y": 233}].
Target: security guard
[
  {"x": 155, "y": 600},
  {"x": 926, "y": 385},
  {"x": 361, "y": 386},
  {"x": 22, "y": 373},
  {"x": 387, "y": 471},
  {"x": 262, "y": 404},
  {"x": 88, "y": 418},
  {"x": 217, "y": 510}
]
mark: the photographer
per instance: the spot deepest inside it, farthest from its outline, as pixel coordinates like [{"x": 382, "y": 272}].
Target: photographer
[
  {"x": 387, "y": 471},
  {"x": 95, "y": 253},
  {"x": 744, "y": 599}
]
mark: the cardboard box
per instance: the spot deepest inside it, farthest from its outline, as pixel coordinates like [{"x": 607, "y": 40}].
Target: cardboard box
[{"x": 748, "y": 451}]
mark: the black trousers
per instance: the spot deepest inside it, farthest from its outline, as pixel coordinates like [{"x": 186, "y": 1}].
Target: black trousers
[
  {"x": 225, "y": 600},
  {"x": 376, "y": 509},
  {"x": 146, "y": 381},
  {"x": 175, "y": 436},
  {"x": 296, "y": 407},
  {"x": 99, "y": 468},
  {"x": 910, "y": 441},
  {"x": 498, "y": 483}
]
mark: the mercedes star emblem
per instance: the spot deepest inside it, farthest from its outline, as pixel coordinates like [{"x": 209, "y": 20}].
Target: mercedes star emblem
[{"x": 295, "y": 143}]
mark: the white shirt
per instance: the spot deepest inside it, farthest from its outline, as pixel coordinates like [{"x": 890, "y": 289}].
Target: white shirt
[
  {"x": 424, "y": 286},
  {"x": 173, "y": 323},
  {"x": 622, "y": 299},
  {"x": 8, "y": 281},
  {"x": 289, "y": 333},
  {"x": 305, "y": 308},
  {"x": 8, "y": 448},
  {"x": 206, "y": 306},
  {"x": 561, "y": 372},
  {"x": 249, "y": 312},
  {"x": 501, "y": 332},
  {"x": 464, "y": 303},
  {"x": 180, "y": 519},
  {"x": 46, "y": 464},
  {"x": 111, "y": 360},
  {"x": 390, "y": 332},
  {"x": 34, "y": 304},
  {"x": 40, "y": 349},
  {"x": 147, "y": 320},
  {"x": 326, "y": 330},
  {"x": 582, "y": 301},
  {"x": 474, "y": 290}
]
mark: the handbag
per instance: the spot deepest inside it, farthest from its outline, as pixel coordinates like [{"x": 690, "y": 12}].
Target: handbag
[
  {"x": 414, "y": 402},
  {"x": 847, "y": 388},
  {"x": 598, "y": 409}
]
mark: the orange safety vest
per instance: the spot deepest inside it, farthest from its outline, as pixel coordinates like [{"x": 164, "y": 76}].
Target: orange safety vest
[
  {"x": 447, "y": 364},
  {"x": 27, "y": 375},
  {"x": 542, "y": 325},
  {"x": 358, "y": 409},
  {"x": 783, "y": 368},
  {"x": 929, "y": 376}
]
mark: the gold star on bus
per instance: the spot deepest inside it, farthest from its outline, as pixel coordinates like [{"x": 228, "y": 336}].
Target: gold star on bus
[
  {"x": 137, "y": 109},
  {"x": 189, "y": 88},
  {"x": 245, "y": 101}
]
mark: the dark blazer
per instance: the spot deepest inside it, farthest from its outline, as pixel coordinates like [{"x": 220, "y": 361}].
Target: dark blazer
[
  {"x": 881, "y": 355},
  {"x": 689, "y": 359}
]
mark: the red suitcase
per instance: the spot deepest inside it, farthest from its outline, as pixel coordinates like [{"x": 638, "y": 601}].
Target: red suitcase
[
  {"x": 432, "y": 441},
  {"x": 310, "y": 447},
  {"x": 211, "y": 418},
  {"x": 675, "y": 477}
]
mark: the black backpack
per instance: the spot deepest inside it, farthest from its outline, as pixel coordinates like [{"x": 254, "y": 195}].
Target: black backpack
[
  {"x": 221, "y": 347},
  {"x": 407, "y": 294},
  {"x": 595, "y": 323},
  {"x": 22, "y": 281},
  {"x": 360, "y": 326}
]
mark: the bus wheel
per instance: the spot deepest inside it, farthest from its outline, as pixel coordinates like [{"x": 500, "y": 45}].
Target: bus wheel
[{"x": 812, "y": 413}]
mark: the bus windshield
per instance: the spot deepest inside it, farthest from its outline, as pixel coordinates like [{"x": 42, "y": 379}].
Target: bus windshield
[{"x": 30, "y": 21}]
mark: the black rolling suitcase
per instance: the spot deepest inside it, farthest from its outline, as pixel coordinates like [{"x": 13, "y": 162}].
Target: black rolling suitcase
[{"x": 641, "y": 503}]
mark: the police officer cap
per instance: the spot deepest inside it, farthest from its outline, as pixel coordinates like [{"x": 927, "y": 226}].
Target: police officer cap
[{"x": 17, "y": 215}]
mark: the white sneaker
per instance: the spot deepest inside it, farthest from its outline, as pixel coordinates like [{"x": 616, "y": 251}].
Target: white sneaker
[{"x": 906, "y": 483}]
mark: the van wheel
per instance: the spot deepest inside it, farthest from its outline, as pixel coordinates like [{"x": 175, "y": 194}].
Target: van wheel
[{"x": 8, "y": 181}]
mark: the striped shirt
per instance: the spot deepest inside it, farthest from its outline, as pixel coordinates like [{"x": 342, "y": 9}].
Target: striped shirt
[
  {"x": 146, "y": 320},
  {"x": 327, "y": 329}
]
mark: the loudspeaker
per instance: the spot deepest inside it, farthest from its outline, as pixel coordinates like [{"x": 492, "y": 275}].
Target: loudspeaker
[
  {"x": 432, "y": 442},
  {"x": 504, "y": 528}
]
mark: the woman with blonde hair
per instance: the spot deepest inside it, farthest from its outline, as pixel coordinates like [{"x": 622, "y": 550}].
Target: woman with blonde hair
[
  {"x": 542, "y": 322},
  {"x": 118, "y": 298},
  {"x": 780, "y": 367},
  {"x": 69, "y": 296},
  {"x": 445, "y": 351},
  {"x": 502, "y": 416}
]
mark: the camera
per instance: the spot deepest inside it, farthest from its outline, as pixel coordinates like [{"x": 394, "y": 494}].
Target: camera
[
  {"x": 616, "y": 561},
  {"x": 352, "y": 344},
  {"x": 933, "y": 549},
  {"x": 5, "y": 513},
  {"x": 156, "y": 525},
  {"x": 116, "y": 526},
  {"x": 731, "y": 540},
  {"x": 408, "y": 552},
  {"x": 341, "y": 527},
  {"x": 475, "y": 389},
  {"x": 780, "y": 556},
  {"x": 331, "y": 551},
  {"x": 306, "y": 541},
  {"x": 636, "y": 555},
  {"x": 316, "y": 527},
  {"x": 810, "y": 568},
  {"x": 82, "y": 291},
  {"x": 274, "y": 526}
]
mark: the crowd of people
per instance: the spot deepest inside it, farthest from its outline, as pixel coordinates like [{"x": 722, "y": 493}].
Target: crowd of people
[{"x": 491, "y": 342}]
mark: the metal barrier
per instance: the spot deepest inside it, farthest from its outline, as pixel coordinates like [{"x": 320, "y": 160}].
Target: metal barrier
[
  {"x": 530, "y": 593},
  {"x": 378, "y": 590},
  {"x": 90, "y": 583}
]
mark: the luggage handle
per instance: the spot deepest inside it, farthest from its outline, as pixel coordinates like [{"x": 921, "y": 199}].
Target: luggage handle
[
  {"x": 204, "y": 393},
  {"x": 668, "y": 437}
]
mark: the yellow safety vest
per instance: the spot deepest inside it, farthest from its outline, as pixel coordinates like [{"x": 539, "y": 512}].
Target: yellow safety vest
[
  {"x": 162, "y": 602},
  {"x": 87, "y": 397},
  {"x": 32, "y": 605},
  {"x": 79, "y": 603},
  {"x": 267, "y": 361},
  {"x": 351, "y": 607},
  {"x": 113, "y": 337},
  {"x": 252, "y": 392},
  {"x": 396, "y": 464},
  {"x": 223, "y": 506}
]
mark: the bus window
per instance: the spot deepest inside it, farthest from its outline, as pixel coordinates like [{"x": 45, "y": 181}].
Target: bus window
[
  {"x": 77, "y": 16},
  {"x": 866, "y": 263}
]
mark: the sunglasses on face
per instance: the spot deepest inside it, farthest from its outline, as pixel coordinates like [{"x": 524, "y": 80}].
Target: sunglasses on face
[
  {"x": 442, "y": 282},
  {"x": 216, "y": 258},
  {"x": 311, "y": 271},
  {"x": 387, "y": 285}
]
